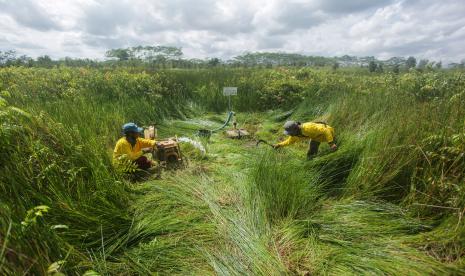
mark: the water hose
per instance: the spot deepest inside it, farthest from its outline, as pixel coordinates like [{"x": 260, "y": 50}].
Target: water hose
[
  {"x": 230, "y": 115},
  {"x": 208, "y": 133}
]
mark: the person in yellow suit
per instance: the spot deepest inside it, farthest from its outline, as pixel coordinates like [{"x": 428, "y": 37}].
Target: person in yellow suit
[
  {"x": 317, "y": 133},
  {"x": 132, "y": 147}
]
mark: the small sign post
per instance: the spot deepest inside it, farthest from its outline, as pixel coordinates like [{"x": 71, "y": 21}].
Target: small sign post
[{"x": 229, "y": 91}]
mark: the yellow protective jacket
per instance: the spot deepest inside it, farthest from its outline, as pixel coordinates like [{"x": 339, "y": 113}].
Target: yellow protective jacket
[
  {"x": 314, "y": 131},
  {"x": 124, "y": 149}
]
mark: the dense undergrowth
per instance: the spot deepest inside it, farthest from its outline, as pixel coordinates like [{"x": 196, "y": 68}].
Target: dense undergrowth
[{"x": 390, "y": 201}]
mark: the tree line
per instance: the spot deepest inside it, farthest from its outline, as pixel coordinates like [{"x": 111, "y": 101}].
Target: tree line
[{"x": 162, "y": 57}]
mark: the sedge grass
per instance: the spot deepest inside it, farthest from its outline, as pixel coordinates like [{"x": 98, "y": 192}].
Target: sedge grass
[{"x": 239, "y": 210}]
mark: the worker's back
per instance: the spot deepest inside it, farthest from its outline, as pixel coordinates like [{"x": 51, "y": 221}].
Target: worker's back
[{"x": 319, "y": 132}]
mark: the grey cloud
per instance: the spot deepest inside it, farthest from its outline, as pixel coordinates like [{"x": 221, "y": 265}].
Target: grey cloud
[
  {"x": 29, "y": 14},
  {"x": 142, "y": 18},
  {"x": 205, "y": 15},
  {"x": 410, "y": 48},
  {"x": 28, "y": 45},
  {"x": 110, "y": 42},
  {"x": 21, "y": 47},
  {"x": 352, "y": 6},
  {"x": 295, "y": 16},
  {"x": 104, "y": 17},
  {"x": 425, "y": 29},
  {"x": 271, "y": 42},
  {"x": 103, "y": 42},
  {"x": 225, "y": 28},
  {"x": 72, "y": 46}
]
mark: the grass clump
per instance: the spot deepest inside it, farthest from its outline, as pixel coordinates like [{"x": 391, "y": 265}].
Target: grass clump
[
  {"x": 280, "y": 185},
  {"x": 172, "y": 226}
]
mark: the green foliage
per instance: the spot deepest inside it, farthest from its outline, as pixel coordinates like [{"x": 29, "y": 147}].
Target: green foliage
[
  {"x": 120, "y": 54},
  {"x": 389, "y": 200},
  {"x": 440, "y": 175},
  {"x": 43, "y": 163},
  {"x": 372, "y": 66},
  {"x": 411, "y": 62},
  {"x": 33, "y": 214},
  {"x": 125, "y": 165},
  {"x": 146, "y": 53},
  {"x": 54, "y": 268},
  {"x": 281, "y": 92},
  {"x": 282, "y": 187}
]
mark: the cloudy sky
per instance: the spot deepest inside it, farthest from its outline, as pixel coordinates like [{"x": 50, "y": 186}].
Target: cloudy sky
[{"x": 225, "y": 28}]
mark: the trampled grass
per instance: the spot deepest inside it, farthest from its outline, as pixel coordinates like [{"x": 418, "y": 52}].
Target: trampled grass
[{"x": 389, "y": 201}]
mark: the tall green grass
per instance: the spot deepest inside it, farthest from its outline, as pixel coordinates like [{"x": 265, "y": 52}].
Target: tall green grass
[
  {"x": 43, "y": 163},
  {"x": 289, "y": 220},
  {"x": 58, "y": 127},
  {"x": 389, "y": 201},
  {"x": 282, "y": 187}
]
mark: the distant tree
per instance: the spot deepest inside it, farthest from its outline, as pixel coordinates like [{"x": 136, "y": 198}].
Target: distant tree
[
  {"x": 372, "y": 66},
  {"x": 430, "y": 66},
  {"x": 396, "y": 69},
  {"x": 7, "y": 58},
  {"x": 335, "y": 65},
  {"x": 365, "y": 61},
  {"x": 24, "y": 60},
  {"x": 280, "y": 59},
  {"x": 213, "y": 62},
  {"x": 120, "y": 54},
  {"x": 395, "y": 61},
  {"x": 44, "y": 61},
  {"x": 422, "y": 64},
  {"x": 411, "y": 62},
  {"x": 302, "y": 62},
  {"x": 149, "y": 53},
  {"x": 456, "y": 65},
  {"x": 158, "y": 56},
  {"x": 438, "y": 65},
  {"x": 379, "y": 68}
]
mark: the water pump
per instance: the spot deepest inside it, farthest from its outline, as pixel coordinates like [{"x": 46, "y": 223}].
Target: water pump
[{"x": 168, "y": 154}]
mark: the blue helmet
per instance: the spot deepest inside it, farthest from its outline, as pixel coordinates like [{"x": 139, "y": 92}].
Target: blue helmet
[{"x": 131, "y": 127}]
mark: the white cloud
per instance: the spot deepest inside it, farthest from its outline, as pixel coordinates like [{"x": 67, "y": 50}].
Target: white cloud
[{"x": 224, "y": 28}]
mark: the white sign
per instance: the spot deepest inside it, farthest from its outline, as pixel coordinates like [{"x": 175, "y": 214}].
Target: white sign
[{"x": 229, "y": 91}]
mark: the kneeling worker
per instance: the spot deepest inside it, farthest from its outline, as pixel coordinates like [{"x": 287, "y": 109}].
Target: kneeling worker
[
  {"x": 132, "y": 147},
  {"x": 315, "y": 132}
]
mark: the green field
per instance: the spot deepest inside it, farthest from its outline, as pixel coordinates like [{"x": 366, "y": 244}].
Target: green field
[{"x": 390, "y": 201}]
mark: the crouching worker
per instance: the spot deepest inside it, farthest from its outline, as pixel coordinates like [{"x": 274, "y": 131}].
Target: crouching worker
[
  {"x": 317, "y": 133},
  {"x": 132, "y": 147}
]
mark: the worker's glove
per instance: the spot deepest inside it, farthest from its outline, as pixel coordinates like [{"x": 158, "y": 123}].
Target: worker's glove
[{"x": 333, "y": 147}]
